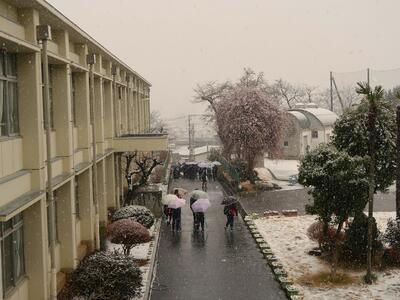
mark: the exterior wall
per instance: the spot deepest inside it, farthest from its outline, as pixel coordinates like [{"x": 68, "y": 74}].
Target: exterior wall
[
  {"x": 23, "y": 155},
  {"x": 300, "y": 140},
  {"x": 292, "y": 135}
]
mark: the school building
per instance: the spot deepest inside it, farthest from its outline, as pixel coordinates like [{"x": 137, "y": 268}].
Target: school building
[{"x": 68, "y": 109}]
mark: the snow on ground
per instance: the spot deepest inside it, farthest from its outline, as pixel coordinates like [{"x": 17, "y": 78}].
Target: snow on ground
[
  {"x": 287, "y": 237},
  {"x": 142, "y": 252},
  {"x": 282, "y": 168}
]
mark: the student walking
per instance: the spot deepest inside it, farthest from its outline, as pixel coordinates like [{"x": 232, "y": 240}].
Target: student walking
[
  {"x": 176, "y": 215},
  {"x": 204, "y": 181},
  {"x": 230, "y": 211},
  {"x": 199, "y": 223}
]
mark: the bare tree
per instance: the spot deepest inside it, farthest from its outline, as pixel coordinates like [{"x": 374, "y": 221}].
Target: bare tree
[
  {"x": 137, "y": 170},
  {"x": 309, "y": 93},
  {"x": 288, "y": 93},
  {"x": 211, "y": 92},
  {"x": 157, "y": 124}
]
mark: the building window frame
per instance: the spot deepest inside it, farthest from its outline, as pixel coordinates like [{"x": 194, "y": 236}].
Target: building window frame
[
  {"x": 13, "y": 229},
  {"x": 9, "y": 111},
  {"x": 285, "y": 144},
  {"x": 73, "y": 99},
  {"x": 51, "y": 68},
  {"x": 314, "y": 134}
]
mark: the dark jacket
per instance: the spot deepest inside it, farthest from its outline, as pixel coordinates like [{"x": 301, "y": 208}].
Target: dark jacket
[{"x": 176, "y": 213}]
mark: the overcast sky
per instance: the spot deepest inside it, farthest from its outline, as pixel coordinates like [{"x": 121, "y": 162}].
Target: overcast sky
[{"x": 176, "y": 44}]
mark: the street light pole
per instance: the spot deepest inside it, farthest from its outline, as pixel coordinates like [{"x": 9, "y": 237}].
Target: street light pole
[
  {"x": 91, "y": 60},
  {"x": 44, "y": 35}
]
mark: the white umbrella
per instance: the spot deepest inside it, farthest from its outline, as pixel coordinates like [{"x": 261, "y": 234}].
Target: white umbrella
[
  {"x": 203, "y": 164},
  {"x": 167, "y": 198},
  {"x": 201, "y": 205},
  {"x": 176, "y": 203}
]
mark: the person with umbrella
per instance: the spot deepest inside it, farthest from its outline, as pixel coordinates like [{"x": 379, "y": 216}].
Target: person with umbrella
[
  {"x": 204, "y": 180},
  {"x": 230, "y": 210},
  {"x": 195, "y": 195},
  {"x": 176, "y": 214},
  {"x": 199, "y": 207}
]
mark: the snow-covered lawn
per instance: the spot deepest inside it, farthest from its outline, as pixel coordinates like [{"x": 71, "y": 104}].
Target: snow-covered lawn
[
  {"x": 287, "y": 237},
  {"x": 282, "y": 168},
  {"x": 141, "y": 252}
]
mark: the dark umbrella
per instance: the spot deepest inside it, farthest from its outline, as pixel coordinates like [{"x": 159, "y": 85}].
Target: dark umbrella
[{"x": 229, "y": 200}]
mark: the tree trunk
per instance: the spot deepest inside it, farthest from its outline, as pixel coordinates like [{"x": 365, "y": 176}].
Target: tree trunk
[
  {"x": 127, "y": 249},
  {"x": 250, "y": 169},
  {"x": 398, "y": 164},
  {"x": 371, "y": 178},
  {"x": 336, "y": 251}
]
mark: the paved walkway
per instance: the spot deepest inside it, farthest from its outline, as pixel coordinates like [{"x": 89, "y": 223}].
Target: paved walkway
[{"x": 217, "y": 265}]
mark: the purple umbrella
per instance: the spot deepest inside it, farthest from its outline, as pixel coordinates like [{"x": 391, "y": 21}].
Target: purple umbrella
[
  {"x": 201, "y": 205},
  {"x": 176, "y": 203}
]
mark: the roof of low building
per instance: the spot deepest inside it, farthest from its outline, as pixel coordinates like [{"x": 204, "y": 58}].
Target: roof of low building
[
  {"x": 301, "y": 118},
  {"x": 325, "y": 116}
]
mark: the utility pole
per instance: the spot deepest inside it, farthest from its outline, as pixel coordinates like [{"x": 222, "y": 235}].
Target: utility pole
[
  {"x": 191, "y": 138},
  {"x": 372, "y": 114},
  {"x": 398, "y": 164},
  {"x": 331, "y": 81}
]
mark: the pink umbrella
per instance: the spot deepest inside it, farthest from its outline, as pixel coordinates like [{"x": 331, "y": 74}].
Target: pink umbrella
[
  {"x": 176, "y": 203},
  {"x": 201, "y": 205}
]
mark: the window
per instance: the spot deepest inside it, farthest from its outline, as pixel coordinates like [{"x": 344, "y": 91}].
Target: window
[
  {"x": 12, "y": 244},
  {"x": 73, "y": 99},
  {"x": 314, "y": 134},
  {"x": 286, "y": 144},
  {"x": 50, "y": 98},
  {"x": 55, "y": 218},
  {"x": 77, "y": 212},
  {"x": 9, "y": 123},
  {"x": 120, "y": 92}
]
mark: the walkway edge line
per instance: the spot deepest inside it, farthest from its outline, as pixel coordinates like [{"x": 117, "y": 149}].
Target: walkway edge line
[{"x": 150, "y": 277}]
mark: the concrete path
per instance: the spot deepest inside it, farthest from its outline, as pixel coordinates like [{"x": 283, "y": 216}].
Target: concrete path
[{"x": 217, "y": 265}]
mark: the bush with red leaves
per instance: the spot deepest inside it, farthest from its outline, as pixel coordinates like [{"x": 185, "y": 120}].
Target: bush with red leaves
[
  {"x": 316, "y": 233},
  {"x": 128, "y": 233}
]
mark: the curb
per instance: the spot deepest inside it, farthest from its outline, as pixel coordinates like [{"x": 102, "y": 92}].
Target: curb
[
  {"x": 277, "y": 268},
  {"x": 154, "y": 251}
]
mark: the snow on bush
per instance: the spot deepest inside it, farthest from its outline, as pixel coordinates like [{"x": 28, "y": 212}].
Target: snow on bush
[
  {"x": 392, "y": 234},
  {"x": 128, "y": 233},
  {"x": 355, "y": 246},
  {"x": 136, "y": 213},
  {"x": 104, "y": 275}
]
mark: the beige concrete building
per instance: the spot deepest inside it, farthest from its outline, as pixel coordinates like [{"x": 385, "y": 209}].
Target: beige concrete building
[
  {"x": 41, "y": 239},
  {"x": 307, "y": 127}
]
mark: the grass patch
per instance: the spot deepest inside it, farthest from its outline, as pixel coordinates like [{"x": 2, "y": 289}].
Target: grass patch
[{"x": 324, "y": 279}]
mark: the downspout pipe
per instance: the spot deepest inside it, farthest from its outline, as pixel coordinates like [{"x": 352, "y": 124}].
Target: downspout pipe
[
  {"x": 44, "y": 35},
  {"x": 91, "y": 61}
]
